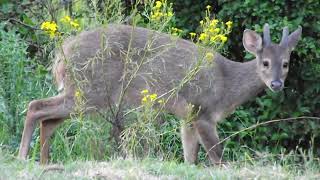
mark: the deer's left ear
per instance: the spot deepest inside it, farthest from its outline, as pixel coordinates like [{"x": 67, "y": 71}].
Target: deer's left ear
[
  {"x": 294, "y": 37},
  {"x": 252, "y": 42}
]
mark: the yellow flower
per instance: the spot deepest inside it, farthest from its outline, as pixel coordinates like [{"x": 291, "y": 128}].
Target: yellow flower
[
  {"x": 203, "y": 36},
  {"x": 144, "y": 99},
  {"x": 213, "y": 39},
  {"x": 50, "y": 27},
  {"x": 160, "y": 101},
  {"x": 229, "y": 24},
  {"x": 208, "y": 7},
  {"x": 192, "y": 34},
  {"x": 68, "y": 20},
  {"x": 157, "y": 15},
  {"x": 145, "y": 91},
  {"x": 170, "y": 14},
  {"x": 214, "y": 30},
  {"x": 158, "y": 4},
  {"x": 214, "y": 22},
  {"x": 74, "y": 24},
  {"x": 223, "y": 38},
  {"x": 153, "y": 97},
  {"x": 209, "y": 56},
  {"x": 176, "y": 31},
  {"x": 65, "y": 19},
  {"x": 153, "y": 16},
  {"x": 44, "y": 25},
  {"x": 77, "y": 93},
  {"x": 51, "y": 34}
]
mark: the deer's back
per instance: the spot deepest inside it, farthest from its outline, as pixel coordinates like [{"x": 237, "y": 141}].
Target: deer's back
[{"x": 101, "y": 62}]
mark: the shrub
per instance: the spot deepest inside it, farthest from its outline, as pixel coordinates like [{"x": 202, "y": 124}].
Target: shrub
[
  {"x": 21, "y": 81},
  {"x": 299, "y": 98}
]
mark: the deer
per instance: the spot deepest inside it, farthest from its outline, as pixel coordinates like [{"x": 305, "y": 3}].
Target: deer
[{"x": 95, "y": 61}]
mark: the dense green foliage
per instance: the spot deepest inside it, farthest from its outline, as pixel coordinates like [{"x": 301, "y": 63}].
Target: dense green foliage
[
  {"x": 20, "y": 75},
  {"x": 25, "y": 64},
  {"x": 301, "y": 95}
]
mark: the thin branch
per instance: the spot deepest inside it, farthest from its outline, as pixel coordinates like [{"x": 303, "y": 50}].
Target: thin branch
[
  {"x": 12, "y": 20},
  {"x": 261, "y": 124},
  {"x": 107, "y": 119}
]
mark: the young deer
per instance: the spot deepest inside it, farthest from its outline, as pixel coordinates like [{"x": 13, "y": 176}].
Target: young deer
[{"x": 98, "y": 61}]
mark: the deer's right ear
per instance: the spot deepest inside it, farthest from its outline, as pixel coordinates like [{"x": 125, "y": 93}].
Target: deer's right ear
[
  {"x": 294, "y": 38},
  {"x": 252, "y": 41}
]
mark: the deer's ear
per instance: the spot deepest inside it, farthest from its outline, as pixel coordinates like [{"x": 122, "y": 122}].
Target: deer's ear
[
  {"x": 294, "y": 37},
  {"x": 252, "y": 41}
]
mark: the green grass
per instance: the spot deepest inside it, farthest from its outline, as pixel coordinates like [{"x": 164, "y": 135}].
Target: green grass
[{"x": 11, "y": 168}]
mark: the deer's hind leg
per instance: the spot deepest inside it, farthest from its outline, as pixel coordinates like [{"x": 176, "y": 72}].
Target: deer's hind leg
[
  {"x": 208, "y": 137},
  {"x": 51, "y": 112}
]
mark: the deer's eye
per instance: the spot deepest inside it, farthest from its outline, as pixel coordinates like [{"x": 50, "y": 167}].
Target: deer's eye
[
  {"x": 285, "y": 65},
  {"x": 265, "y": 64}
]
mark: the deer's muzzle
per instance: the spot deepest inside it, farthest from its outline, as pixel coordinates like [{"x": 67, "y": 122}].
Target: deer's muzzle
[{"x": 276, "y": 85}]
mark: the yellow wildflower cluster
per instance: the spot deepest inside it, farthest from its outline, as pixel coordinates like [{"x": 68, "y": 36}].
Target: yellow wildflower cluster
[
  {"x": 161, "y": 11},
  {"x": 71, "y": 22},
  {"x": 175, "y": 31},
  {"x": 50, "y": 27},
  {"x": 148, "y": 98},
  {"x": 214, "y": 32},
  {"x": 229, "y": 25}
]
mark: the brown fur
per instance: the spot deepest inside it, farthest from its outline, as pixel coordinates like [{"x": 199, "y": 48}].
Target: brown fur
[{"x": 94, "y": 60}]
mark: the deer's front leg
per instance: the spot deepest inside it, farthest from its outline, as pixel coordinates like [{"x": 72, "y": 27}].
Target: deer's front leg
[
  {"x": 190, "y": 143},
  {"x": 46, "y": 130},
  {"x": 209, "y": 138}
]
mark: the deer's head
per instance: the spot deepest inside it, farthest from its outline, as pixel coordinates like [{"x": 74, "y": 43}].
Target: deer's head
[{"x": 272, "y": 59}]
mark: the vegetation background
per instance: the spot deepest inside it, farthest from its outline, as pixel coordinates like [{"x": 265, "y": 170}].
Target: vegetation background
[{"x": 25, "y": 64}]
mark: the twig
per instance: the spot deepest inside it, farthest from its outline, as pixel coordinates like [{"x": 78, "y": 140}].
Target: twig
[
  {"x": 52, "y": 168},
  {"x": 22, "y": 23},
  {"x": 260, "y": 124}
]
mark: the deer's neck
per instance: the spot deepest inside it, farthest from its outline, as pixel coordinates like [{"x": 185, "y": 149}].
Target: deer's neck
[{"x": 241, "y": 81}]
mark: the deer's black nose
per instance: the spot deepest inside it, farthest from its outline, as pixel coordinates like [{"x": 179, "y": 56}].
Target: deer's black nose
[{"x": 276, "y": 85}]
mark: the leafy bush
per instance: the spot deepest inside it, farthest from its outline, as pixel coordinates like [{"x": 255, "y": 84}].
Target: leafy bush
[
  {"x": 302, "y": 86},
  {"x": 21, "y": 81},
  {"x": 299, "y": 98}
]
